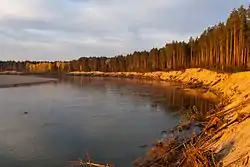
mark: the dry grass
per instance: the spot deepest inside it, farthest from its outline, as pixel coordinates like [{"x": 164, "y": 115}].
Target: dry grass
[{"x": 192, "y": 151}]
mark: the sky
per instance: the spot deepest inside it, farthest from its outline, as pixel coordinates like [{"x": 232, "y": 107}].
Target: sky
[{"x": 69, "y": 29}]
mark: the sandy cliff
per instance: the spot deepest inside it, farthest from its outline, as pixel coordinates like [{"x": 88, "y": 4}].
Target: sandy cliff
[{"x": 234, "y": 141}]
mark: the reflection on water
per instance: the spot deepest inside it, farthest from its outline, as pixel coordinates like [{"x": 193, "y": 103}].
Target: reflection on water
[
  {"x": 108, "y": 118},
  {"x": 160, "y": 93}
]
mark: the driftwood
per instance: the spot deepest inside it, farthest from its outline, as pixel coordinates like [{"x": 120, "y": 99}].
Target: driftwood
[
  {"x": 91, "y": 164},
  {"x": 88, "y": 163}
]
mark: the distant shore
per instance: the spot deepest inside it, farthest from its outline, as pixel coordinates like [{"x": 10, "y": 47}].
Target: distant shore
[{"x": 21, "y": 80}]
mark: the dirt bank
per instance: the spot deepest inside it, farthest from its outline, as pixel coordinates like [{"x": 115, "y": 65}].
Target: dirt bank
[
  {"x": 20, "y": 80},
  {"x": 231, "y": 143}
]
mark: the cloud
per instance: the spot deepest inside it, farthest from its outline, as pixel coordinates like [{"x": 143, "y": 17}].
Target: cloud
[
  {"x": 66, "y": 29},
  {"x": 24, "y": 8}
]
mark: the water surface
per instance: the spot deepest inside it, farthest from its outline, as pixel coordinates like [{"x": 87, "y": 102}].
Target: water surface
[{"x": 108, "y": 118}]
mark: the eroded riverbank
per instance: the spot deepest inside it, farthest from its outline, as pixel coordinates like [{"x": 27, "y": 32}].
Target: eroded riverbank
[{"x": 231, "y": 141}]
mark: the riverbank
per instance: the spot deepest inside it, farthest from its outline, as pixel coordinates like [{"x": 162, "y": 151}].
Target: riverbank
[
  {"x": 231, "y": 141},
  {"x": 21, "y": 80}
]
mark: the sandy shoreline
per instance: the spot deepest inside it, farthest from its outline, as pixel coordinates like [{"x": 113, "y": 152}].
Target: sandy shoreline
[
  {"x": 21, "y": 80},
  {"x": 235, "y": 88}
]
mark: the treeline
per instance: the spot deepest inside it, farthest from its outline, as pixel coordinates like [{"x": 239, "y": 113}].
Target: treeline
[{"x": 224, "y": 47}]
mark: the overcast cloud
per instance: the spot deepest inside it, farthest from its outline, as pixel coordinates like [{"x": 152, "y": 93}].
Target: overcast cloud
[{"x": 68, "y": 29}]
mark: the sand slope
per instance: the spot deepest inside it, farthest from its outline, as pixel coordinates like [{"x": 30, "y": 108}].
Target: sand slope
[{"x": 234, "y": 145}]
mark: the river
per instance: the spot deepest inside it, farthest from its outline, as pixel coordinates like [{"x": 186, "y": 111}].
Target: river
[{"x": 55, "y": 123}]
